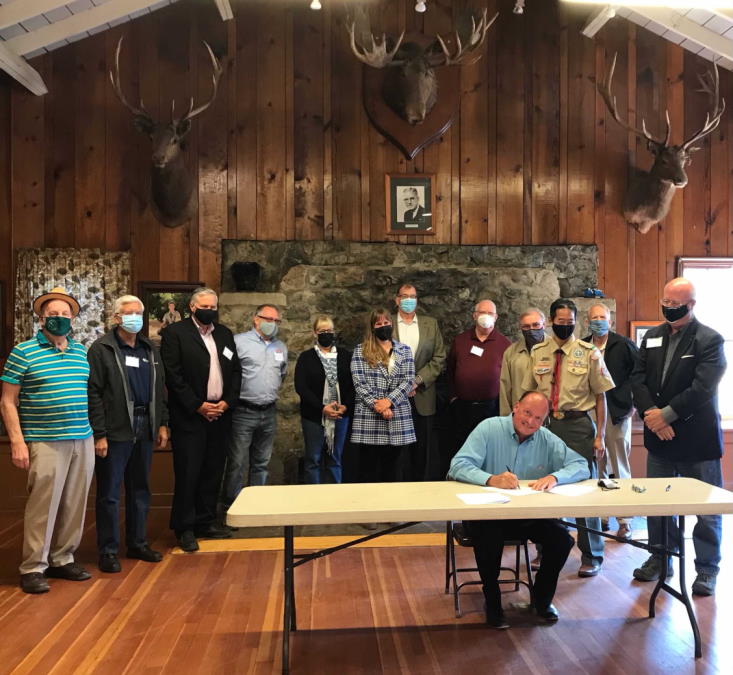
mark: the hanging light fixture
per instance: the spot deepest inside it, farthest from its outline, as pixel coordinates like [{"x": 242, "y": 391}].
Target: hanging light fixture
[
  {"x": 316, "y": 4},
  {"x": 420, "y": 6}
]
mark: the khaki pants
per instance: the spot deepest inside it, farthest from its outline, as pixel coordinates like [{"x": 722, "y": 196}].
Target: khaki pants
[
  {"x": 58, "y": 484},
  {"x": 618, "y": 450}
]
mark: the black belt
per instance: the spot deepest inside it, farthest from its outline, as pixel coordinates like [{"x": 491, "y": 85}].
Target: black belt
[
  {"x": 255, "y": 406},
  {"x": 140, "y": 410},
  {"x": 569, "y": 414}
]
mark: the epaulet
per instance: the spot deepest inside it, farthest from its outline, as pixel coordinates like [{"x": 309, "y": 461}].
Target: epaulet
[
  {"x": 587, "y": 345},
  {"x": 540, "y": 344}
]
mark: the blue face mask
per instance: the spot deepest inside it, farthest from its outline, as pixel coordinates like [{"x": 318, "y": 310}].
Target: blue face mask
[
  {"x": 132, "y": 323},
  {"x": 407, "y": 305},
  {"x": 598, "y": 327}
]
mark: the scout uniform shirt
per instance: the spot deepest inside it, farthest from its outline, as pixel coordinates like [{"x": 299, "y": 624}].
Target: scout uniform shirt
[{"x": 582, "y": 375}]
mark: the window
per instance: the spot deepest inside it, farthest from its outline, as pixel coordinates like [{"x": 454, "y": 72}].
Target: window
[{"x": 713, "y": 277}]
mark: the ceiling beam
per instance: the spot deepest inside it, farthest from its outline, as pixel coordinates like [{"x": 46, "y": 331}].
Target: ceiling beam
[
  {"x": 674, "y": 21},
  {"x": 19, "y": 69},
  {"x": 78, "y": 23},
  {"x": 597, "y": 21},
  {"x": 225, "y": 9},
  {"x": 20, "y": 10}
]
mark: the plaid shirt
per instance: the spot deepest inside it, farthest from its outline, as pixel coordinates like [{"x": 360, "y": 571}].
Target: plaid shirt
[{"x": 371, "y": 384}]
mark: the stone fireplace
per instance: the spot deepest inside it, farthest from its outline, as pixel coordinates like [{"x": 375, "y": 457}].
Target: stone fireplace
[{"x": 348, "y": 279}]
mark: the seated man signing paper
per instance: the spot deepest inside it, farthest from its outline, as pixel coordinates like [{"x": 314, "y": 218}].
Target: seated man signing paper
[{"x": 499, "y": 452}]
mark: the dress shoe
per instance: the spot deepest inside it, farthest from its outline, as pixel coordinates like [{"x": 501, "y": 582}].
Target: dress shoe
[
  {"x": 145, "y": 553},
  {"x": 213, "y": 531},
  {"x": 110, "y": 563},
  {"x": 590, "y": 570},
  {"x": 535, "y": 564},
  {"x": 651, "y": 570},
  {"x": 495, "y": 618},
  {"x": 549, "y": 613},
  {"x": 72, "y": 571},
  {"x": 33, "y": 582},
  {"x": 624, "y": 532},
  {"x": 704, "y": 584},
  {"x": 187, "y": 541}
]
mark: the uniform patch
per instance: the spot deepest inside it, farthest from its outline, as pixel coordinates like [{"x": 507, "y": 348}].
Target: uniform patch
[{"x": 578, "y": 353}]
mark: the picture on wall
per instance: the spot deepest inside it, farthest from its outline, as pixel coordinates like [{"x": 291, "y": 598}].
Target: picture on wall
[
  {"x": 165, "y": 303},
  {"x": 410, "y": 203},
  {"x": 639, "y": 329}
]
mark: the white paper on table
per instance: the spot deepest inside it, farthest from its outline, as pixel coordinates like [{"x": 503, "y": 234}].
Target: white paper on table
[
  {"x": 516, "y": 492},
  {"x": 573, "y": 489},
  {"x": 474, "y": 498}
]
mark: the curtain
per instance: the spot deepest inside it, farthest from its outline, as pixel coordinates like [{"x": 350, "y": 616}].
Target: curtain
[{"x": 94, "y": 278}]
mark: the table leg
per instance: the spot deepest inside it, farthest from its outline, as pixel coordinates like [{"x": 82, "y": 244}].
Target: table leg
[
  {"x": 288, "y": 597},
  {"x": 683, "y": 590},
  {"x": 662, "y": 551}
]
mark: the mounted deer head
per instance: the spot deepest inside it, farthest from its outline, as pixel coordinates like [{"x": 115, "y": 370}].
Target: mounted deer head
[
  {"x": 171, "y": 184},
  {"x": 650, "y": 193},
  {"x": 410, "y": 86}
]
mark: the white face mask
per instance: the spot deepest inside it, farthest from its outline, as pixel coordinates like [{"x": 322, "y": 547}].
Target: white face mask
[{"x": 486, "y": 321}]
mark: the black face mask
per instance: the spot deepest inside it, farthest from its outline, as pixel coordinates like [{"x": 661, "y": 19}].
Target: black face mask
[
  {"x": 326, "y": 339},
  {"x": 533, "y": 336},
  {"x": 206, "y": 316},
  {"x": 672, "y": 314},
  {"x": 563, "y": 332},
  {"x": 383, "y": 333}
]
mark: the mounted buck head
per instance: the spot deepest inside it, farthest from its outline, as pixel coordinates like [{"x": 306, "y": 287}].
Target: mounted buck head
[
  {"x": 649, "y": 194},
  {"x": 410, "y": 85},
  {"x": 171, "y": 184}
]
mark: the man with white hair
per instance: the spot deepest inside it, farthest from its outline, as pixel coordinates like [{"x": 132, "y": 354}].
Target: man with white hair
[
  {"x": 128, "y": 413},
  {"x": 202, "y": 376}
]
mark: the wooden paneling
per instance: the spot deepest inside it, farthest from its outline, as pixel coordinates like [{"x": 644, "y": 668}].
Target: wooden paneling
[{"x": 286, "y": 151}]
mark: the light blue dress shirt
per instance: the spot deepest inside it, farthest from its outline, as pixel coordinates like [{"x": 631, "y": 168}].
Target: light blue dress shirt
[
  {"x": 494, "y": 445},
  {"x": 264, "y": 365}
]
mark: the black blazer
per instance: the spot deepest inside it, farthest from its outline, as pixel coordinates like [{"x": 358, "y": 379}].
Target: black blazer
[
  {"x": 310, "y": 378},
  {"x": 621, "y": 356},
  {"x": 186, "y": 361},
  {"x": 691, "y": 388}
]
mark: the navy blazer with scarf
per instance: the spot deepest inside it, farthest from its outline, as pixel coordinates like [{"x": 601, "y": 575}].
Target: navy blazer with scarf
[
  {"x": 310, "y": 378},
  {"x": 690, "y": 388}
]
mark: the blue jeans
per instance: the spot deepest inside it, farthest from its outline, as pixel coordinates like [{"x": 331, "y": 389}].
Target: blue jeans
[
  {"x": 315, "y": 449},
  {"x": 130, "y": 460},
  {"x": 250, "y": 449},
  {"x": 707, "y": 533}
]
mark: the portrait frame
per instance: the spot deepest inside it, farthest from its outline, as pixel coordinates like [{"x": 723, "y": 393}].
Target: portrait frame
[
  {"x": 156, "y": 295},
  {"x": 396, "y": 186},
  {"x": 639, "y": 329}
]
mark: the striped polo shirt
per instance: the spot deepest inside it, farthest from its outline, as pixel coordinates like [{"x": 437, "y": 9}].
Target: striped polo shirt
[{"x": 52, "y": 401}]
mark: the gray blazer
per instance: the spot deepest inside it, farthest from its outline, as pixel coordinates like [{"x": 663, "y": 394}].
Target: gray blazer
[{"x": 429, "y": 361}]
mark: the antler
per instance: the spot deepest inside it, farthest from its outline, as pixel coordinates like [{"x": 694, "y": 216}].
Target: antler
[
  {"x": 475, "y": 40},
  {"x": 192, "y": 112},
  {"x": 378, "y": 56},
  {"x": 604, "y": 89},
  {"x": 114, "y": 78},
  {"x": 711, "y": 123}
]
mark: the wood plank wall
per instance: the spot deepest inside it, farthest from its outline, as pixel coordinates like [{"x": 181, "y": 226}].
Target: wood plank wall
[{"x": 286, "y": 151}]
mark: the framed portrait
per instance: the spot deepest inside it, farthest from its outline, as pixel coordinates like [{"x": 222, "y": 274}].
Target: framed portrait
[
  {"x": 639, "y": 329},
  {"x": 165, "y": 303},
  {"x": 410, "y": 203}
]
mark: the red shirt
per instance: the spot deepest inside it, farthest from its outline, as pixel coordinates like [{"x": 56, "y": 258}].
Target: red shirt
[{"x": 474, "y": 366}]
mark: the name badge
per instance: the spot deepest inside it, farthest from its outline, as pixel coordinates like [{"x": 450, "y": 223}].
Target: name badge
[
  {"x": 279, "y": 356},
  {"x": 132, "y": 361},
  {"x": 653, "y": 342},
  {"x": 477, "y": 350},
  {"x": 228, "y": 353}
]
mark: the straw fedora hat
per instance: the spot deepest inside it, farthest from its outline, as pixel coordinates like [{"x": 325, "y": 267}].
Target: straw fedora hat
[{"x": 57, "y": 293}]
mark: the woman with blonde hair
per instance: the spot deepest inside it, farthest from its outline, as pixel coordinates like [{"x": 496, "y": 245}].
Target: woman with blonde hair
[
  {"x": 383, "y": 372},
  {"x": 323, "y": 382}
]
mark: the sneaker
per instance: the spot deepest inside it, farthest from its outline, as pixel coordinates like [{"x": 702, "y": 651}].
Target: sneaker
[
  {"x": 651, "y": 570},
  {"x": 704, "y": 584},
  {"x": 72, "y": 571},
  {"x": 34, "y": 582},
  {"x": 624, "y": 532}
]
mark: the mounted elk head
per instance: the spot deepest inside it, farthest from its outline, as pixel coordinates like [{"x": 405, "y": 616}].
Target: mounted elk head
[
  {"x": 171, "y": 184},
  {"x": 649, "y": 194},
  {"x": 410, "y": 86}
]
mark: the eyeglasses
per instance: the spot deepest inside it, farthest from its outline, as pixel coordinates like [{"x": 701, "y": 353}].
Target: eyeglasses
[
  {"x": 321, "y": 331},
  {"x": 405, "y": 295},
  {"x": 672, "y": 304},
  {"x": 270, "y": 318}
]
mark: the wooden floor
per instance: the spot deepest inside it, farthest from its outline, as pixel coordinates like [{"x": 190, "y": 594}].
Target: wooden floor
[{"x": 368, "y": 610}]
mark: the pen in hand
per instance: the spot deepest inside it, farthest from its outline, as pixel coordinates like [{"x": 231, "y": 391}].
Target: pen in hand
[{"x": 516, "y": 487}]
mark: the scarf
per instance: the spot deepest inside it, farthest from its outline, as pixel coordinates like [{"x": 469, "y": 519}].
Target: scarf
[{"x": 330, "y": 392}]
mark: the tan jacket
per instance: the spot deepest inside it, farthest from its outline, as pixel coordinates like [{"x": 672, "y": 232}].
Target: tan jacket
[{"x": 514, "y": 368}]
